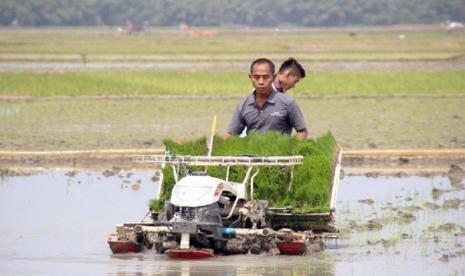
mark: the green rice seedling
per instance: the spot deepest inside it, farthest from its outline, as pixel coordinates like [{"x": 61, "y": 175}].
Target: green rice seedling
[
  {"x": 136, "y": 83},
  {"x": 307, "y": 191},
  {"x": 306, "y": 43},
  {"x": 4, "y": 173}
]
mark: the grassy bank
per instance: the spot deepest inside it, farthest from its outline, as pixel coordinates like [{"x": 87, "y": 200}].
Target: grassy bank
[{"x": 226, "y": 83}]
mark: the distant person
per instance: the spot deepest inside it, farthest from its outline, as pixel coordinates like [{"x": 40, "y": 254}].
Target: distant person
[
  {"x": 289, "y": 75},
  {"x": 266, "y": 109}
]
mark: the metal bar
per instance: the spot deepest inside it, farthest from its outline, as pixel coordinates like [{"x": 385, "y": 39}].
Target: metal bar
[
  {"x": 212, "y": 138},
  {"x": 212, "y": 135},
  {"x": 336, "y": 179},
  {"x": 244, "y": 182},
  {"x": 221, "y": 160},
  {"x": 175, "y": 173},
  {"x": 155, "y": 229},
  {"x": 184, "y": 241},
  {"x": 292, "y": 178},
  {"x": 227, "y": 173},
  {"x": 251, "y": 183},
  {"x": 160, "y": 182}
]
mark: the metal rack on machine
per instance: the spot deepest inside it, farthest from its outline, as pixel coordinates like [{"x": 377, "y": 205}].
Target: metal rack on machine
[{"x": 221, "y": 160}]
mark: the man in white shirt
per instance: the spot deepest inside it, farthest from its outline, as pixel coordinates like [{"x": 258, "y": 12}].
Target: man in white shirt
[{"x": 289, "y": 75}]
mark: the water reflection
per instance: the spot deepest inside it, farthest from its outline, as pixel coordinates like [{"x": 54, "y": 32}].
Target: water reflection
[
  {"x": 320, "y": 264},
  {"x": 56, "y": 223}
]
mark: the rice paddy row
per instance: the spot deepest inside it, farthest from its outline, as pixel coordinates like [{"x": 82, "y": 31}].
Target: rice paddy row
[
  {"x": 135, "y": 83},
  {"x": 307, "y": 44},
  {"x": 357, "y": 123}
]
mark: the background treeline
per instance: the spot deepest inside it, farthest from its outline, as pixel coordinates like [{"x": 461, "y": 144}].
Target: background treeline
[{"x": 229, "y": 12}]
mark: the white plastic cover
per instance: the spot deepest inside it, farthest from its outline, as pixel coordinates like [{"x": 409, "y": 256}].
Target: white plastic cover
[{"x": 195, "y": 191}]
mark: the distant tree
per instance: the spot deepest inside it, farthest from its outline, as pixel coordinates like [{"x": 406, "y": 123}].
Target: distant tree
[{"x": 227, "y": 12}]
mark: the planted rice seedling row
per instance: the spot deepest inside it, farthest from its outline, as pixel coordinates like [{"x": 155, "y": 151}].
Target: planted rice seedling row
[{"x": 135, "y": 83}]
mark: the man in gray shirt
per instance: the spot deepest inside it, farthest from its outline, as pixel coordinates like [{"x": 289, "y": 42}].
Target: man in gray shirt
[{"x": 265, "y": 109}]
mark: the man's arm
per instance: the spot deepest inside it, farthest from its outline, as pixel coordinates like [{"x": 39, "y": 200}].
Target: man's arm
[
  {"x": 237, "y": 124},
  {"x": 297, "y": 120}
]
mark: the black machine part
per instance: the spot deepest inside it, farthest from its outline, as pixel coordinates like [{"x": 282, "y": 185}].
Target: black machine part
[{"x": 207, "y": 218}]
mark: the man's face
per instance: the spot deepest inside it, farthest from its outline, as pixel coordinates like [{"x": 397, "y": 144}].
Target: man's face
[
  {"x": 262, "y": 78},
  {"x": 289, "y": 79}
]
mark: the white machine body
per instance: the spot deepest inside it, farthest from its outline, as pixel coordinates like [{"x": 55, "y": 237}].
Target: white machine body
[{"x": 196, "y": 191}]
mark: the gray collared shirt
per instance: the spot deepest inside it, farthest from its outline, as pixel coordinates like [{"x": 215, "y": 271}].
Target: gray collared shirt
[{"x": 279, "y": 113}]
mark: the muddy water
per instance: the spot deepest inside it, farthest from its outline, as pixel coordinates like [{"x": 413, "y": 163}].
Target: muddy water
[{"x": 54, "y": 224}]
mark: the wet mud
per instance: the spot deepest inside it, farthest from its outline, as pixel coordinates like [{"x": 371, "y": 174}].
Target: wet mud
[
  {"x": 405, "y": 220},
  {"x": 216, "y": 66},
  {"x": 143, "y": 123}
]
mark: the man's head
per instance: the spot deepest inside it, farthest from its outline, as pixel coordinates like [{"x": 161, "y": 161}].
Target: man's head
[
  {"x": 262, "y": 75},
  {"x": 290, "y": 73}
]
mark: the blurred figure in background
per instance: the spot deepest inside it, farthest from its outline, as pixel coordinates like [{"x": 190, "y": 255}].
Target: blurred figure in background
[{"x": 289, "y": 75}]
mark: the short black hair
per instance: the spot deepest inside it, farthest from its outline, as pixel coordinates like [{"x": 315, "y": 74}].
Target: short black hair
[
  {"x": 261, "y": 61},
  {"x": 292, "y": 64}
]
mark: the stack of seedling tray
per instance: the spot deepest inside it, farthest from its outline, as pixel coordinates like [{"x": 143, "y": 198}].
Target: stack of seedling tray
[{"x": 300, "y": 198}]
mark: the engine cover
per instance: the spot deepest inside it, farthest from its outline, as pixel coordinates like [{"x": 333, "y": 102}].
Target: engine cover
[{"x": 196, "y": 191}]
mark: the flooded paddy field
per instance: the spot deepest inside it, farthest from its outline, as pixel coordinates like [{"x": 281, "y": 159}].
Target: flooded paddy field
[
  {"x": 237, "y": 44},
  {"x": 55, "y": 222},
  {"x": 357, "y": 123}
]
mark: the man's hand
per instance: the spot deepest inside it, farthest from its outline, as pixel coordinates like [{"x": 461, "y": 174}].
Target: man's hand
[
  {"x": 227, "y": 135},
  {"x": 302, "y": 134}
]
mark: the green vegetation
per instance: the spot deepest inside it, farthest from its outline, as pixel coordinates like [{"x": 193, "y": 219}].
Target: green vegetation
[
  {"x": 382, "y": 82},
  {"x": 311, "y": 183},
  {"x": 122, "y": 83},
  {"x": 226, "y": 83},
  {"x": 356, "y": 122},
  {"x": 106, "y": 45},
  {"x": 227, "y": 12},
  {"x": 4, "y": 173}
]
